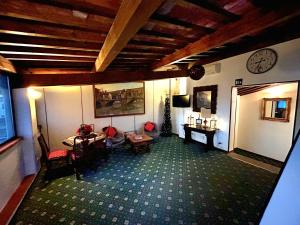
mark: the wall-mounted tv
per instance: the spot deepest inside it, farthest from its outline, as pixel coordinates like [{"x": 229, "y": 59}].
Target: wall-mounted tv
[{"x": 182, "y": 101}]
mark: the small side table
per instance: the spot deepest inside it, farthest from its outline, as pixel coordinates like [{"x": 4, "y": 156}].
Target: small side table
[
  {"x": 209, "y": 133},
  {"x": 139, "y": 145}
]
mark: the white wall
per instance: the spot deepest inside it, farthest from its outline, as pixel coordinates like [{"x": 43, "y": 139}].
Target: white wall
[
  {"x": 286, "y": 69},
  {"x": 64, "y": 108},
  {"x": 25, "y": 120},
  {"x": 284, "y": 205},
  {"x": 11, "y": 173},
  {"x": 264, "y": 137}
]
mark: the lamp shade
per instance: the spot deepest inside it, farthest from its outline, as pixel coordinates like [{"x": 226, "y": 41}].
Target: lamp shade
[{"x": 205, "y": 113}]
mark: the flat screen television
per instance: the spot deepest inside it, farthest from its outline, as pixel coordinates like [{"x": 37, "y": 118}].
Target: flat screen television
[{"x": 182, "y": 101}]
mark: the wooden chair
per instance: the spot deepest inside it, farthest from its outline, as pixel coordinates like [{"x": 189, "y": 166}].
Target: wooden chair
[
  {"x": 54, "y": 155},
  {"x": 83, "y": 155}
]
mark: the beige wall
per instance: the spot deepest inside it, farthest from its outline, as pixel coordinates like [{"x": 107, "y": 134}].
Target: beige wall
[
  {"x": 268, "y": 138},
  {"x": 64, "y": 108}
]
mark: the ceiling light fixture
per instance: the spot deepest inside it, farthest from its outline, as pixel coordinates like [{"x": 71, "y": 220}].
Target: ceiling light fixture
[{"x": 79, "y": 14}]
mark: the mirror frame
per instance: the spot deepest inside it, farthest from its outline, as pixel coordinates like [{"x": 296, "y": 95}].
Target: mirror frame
[
  {"x": 288, "y": 109},
  {"x": 214, "y": 92}
]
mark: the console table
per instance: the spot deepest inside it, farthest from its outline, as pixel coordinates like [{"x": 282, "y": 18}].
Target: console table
[{"x": 209, "y": 133}]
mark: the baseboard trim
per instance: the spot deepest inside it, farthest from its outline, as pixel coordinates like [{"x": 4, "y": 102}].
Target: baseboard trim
[
  {"x": 276, "y": 160},
  {"x": 12, "y": 205}
]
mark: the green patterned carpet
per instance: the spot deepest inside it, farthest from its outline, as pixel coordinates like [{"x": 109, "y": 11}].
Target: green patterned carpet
[{"x": 173, "y": 184}]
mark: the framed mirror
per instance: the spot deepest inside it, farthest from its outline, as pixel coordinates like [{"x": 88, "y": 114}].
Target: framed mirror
[
  {"x": 206, "y": 97},
  {"x": 276, "y": 109}
]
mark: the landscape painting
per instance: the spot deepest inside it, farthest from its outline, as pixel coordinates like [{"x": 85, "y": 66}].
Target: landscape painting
[{"x": 119, "y": 99}]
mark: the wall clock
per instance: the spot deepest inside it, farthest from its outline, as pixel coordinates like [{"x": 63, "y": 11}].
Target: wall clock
[{"x": 262, "y": 61}]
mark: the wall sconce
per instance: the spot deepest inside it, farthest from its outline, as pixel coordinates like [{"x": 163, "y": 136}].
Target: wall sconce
[{"x": 34, "y": 94}]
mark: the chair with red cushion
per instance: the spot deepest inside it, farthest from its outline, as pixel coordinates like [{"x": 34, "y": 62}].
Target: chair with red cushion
[
  {"x": 54, "y": 155},
  {"x": 151, "y": 130},
  {"x": 114, "y": 138}
]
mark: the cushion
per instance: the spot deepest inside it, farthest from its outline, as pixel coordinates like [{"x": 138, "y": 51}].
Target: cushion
[
  {"x": 110, "y": 132},
  {"x": 149, "y": 126},
  {"x": 57, "y": 154}
]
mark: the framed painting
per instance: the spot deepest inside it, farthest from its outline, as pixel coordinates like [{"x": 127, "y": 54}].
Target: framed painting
[
  {"x": 119, "y": 99},
  {"x": 205, "y": 97}
]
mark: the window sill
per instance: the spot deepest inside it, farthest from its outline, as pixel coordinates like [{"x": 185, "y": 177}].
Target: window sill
[{"x": 9, "y": 144}]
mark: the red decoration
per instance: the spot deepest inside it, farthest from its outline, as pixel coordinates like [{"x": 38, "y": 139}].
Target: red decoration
[
  {"x": 149, "y": 126},
  {"x": 84, "y": 129},
  {"x": 110, "y": 131}
]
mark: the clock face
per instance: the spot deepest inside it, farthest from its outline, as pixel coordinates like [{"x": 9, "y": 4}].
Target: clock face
[{"x": 262, "y": 60}]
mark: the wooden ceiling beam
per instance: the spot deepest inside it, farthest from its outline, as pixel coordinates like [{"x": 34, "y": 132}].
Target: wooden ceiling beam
[
  {"x": 51, "y": 14},
  {"x": 27, "y": 80},
  {"x": 6, "y": 49},
  {"x": 40, "y": 71},
  {"x": 246, "y": 26},
  {"x": 131, "y": 16},
  {"x": 273, "y": 36},
  {"x": 14, "y": 40},
  {"x": 104, "y": 7},
  {"x": 213, "y": 11},
  {"x": 22, "y": 27},
  {"x": 17, "y": 57},
  {"x": 52, "y": 64}
]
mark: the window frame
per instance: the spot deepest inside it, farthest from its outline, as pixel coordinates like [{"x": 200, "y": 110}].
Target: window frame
[{"x": 15, "y": 137}]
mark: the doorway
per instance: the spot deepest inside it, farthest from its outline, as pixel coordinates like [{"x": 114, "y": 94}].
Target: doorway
[{"x": 262, "y": 123}]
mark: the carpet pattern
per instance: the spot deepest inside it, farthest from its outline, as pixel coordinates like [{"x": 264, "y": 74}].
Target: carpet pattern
[{"x": 173, "y": 184}]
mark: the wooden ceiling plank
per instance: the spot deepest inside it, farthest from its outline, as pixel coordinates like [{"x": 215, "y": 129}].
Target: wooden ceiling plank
[
  {"x": 52, "y": 64},
  {"x": 43, "y": 57},
  {"x": 233, "y": 31},
  {"x": 24, "y": 41},
  {"x": 51, "y": 14},
  {"x": 26, "y": 80},
  {"x": 6, "y": 49},
  {"x": 41, "y": 70},
  {"x": 21, "y": 27},
  {"x": 131, "y": 16},
  {"x": 104, "y": 7}
]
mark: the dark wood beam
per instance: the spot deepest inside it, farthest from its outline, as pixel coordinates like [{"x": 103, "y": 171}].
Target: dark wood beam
[
  {"x": 21, "y": 57},
  {"x": 14, "y": 40},
  {"x": 27, "y": 80},
  {"x": 26, "y": 28},
  {"x": 215, "y": 11},
  {"x": 131, "y": 16},
  {"x": 6, "y": 49},
  {"x": 45, "y": 13},
  {"x": 271, "y": 37},
  {"x": 51, "y": 64},
  {"x": 29, "y": 28},
  {"x": 248, "y": 25},
  {"x": 104, "y": 7},
  {"x": 40, "y": 71},
  {"x": 249, "y": 90}
]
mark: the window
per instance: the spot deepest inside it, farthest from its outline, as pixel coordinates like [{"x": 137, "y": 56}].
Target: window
[{"x": 7, "y": 129}]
